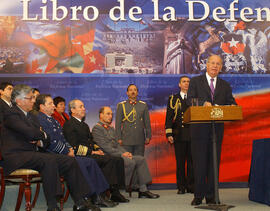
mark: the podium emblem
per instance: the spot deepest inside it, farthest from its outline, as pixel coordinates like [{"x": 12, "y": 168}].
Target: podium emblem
[{"x": 216, "y": 113}]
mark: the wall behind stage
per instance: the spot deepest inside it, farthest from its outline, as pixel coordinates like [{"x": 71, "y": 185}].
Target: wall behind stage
[
  {"x": 96, "y": 60},
  {"x": 251, "y": 92}
]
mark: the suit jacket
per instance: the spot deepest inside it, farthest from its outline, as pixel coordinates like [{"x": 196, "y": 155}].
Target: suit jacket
[
  {"x": 134, "y": 129},
  {"x": 78, "y": 133},
  {"x": 17, "y": 133},
  {"x": 105, "y": 138},
  {"x": 199, "y": 88},
  {"x": 174, "y": 118},
  {"x": 4, "y": 107}
]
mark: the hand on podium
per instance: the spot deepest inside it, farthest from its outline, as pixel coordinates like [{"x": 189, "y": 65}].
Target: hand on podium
[{"x": 206, "y": 103}]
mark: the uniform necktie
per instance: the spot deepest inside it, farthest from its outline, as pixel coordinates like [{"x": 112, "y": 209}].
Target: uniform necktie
[
  {"x": 185, "y": 96},
  {"x": 212, "y": 88}
]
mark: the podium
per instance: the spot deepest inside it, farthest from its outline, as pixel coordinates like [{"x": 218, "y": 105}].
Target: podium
[
  {"x": 207, "y": 114},
  {"x": 213, "y": 114}
]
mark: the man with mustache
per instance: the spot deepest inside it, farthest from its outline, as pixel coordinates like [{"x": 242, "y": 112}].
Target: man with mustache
[
  {"x": 132, "y": 124},
  {"x": 136, "y": 165}
]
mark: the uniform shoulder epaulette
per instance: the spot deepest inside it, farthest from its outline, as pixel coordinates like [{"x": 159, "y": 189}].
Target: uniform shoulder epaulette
[
  {"x": 173, "y": 96},
  {"x": 122, "y": 102},
  {"x": 142, "y": 102}
]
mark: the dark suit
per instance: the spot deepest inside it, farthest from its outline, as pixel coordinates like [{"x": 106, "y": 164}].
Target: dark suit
[
  {"x": 78, "y": 133},
  {"x": 180, "y": 132},
  {"x": 4, "y": 107},
  {"x": 17, "y": 151},
  {"x": 201, "y": 134}
]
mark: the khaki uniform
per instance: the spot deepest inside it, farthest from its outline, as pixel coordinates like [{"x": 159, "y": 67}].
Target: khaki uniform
[
  {"x": 104, "y": 137},
  {"x": 132, "y": 125}
]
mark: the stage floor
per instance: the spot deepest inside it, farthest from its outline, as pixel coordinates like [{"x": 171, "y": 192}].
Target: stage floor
[{"x": 168, "y": 201}]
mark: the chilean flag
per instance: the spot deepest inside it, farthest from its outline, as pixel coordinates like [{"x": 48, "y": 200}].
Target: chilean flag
[{"x": 233, "y": 44}]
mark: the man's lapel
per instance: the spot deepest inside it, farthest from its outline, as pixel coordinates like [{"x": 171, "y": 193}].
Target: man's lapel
[
  {"x": 218, "y": 87},
  {"x": 206, "y": 86}
]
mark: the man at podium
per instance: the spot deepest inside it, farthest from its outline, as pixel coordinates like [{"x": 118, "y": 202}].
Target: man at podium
[{"x": 207, "y": 90}]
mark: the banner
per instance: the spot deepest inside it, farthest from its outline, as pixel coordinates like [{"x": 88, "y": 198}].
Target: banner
[{"x": 92, "y": 50}]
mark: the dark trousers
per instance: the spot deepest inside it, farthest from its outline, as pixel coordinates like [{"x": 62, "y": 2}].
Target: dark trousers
[
  {"x": 93, "y": 175},
  {"x": 184, "y": 167},
  {"x": 202, "y": 157},
  {"x": 51, "y": 167},
  {"x": 113, "y": 169}
]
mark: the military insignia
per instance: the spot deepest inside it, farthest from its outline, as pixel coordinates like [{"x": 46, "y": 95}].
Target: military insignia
[
  {"x": 126, "y": 116},
  {"x": 175, "y": 106},
  {"x": 169, "y": 130},
  {"x": 82, "y": 150}
]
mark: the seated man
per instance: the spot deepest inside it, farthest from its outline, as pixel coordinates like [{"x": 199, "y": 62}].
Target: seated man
[
  {"x": 89, "y": 167},
  {"x": 78, "y": 134},
  {"x": 104, "y": 136},
  {"x": 22, "y": 136},
  {"x": 5, "y": 99}
]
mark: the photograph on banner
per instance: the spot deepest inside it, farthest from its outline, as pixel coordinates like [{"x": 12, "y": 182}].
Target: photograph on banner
[{"x": 144, "y": 47}]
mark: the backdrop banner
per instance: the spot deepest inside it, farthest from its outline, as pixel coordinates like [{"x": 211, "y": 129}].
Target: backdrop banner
[
  {"x": 92, "y": 50},
  {"x": 252, "y": 92}
]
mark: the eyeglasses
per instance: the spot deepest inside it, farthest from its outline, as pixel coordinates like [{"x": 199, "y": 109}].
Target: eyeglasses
[{"x": 30, "y": 98}]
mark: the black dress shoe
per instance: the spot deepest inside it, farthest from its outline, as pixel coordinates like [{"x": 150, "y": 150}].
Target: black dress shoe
[
  {"x": 211, "y": 200},
  {"x": 118, "y": 197},
  {"x": 54, "y": 209},
  {"x": 196, "y": 201},
  {"x": 101, "y": 201},
  {"x": 85, "y": 207},
  {"x": 181, "y": 191},
  {"x": 148, "y": 194},
  {"x": 190, "y": 190}
]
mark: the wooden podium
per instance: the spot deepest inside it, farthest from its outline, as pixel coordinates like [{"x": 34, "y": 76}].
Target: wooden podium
[
  {"x": 213, "y": 114},
  {"x": 204, "y": 114}
]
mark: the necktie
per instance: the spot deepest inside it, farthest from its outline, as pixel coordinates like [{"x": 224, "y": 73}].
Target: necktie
[
  {"x": 28, "y": 116},
  {"x": 185, "y": 96},
  {"x": 212, "y": 88}
]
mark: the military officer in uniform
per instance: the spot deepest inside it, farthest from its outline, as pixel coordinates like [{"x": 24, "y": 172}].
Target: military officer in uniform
[
  {"x": 136, "y": 165},
  {"x": 132, "y": 124},
  {"x": 178, "y": 134}
]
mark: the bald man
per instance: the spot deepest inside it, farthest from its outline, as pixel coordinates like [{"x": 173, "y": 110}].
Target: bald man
[
  {"x": 210, "y": 90},
  {"x": 105, "y": 136}
]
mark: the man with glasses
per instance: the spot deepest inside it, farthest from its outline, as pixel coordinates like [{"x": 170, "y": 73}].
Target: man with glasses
[{"x": 21, "y": 139}]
